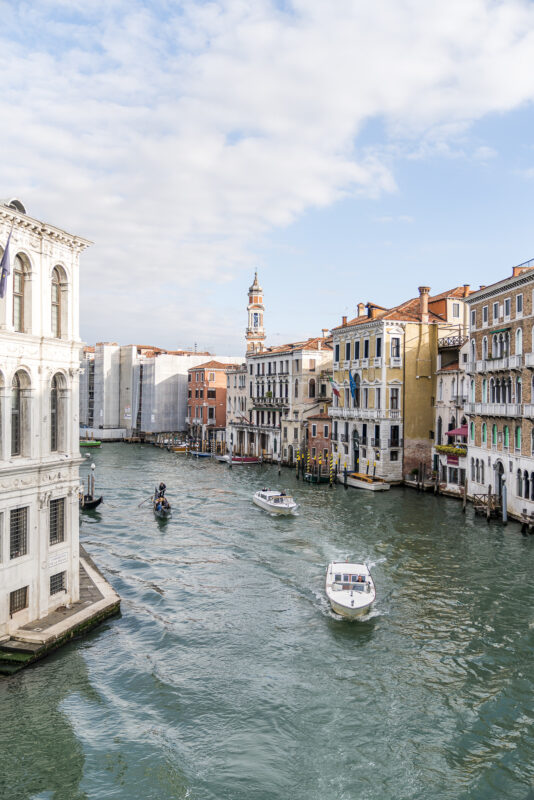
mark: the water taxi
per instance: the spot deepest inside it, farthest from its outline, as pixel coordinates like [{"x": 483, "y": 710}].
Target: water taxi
[
  {"x": 350, "y": 588},
  {"x": 359, "y": 480},
  {"x": 275, "y": 502}
]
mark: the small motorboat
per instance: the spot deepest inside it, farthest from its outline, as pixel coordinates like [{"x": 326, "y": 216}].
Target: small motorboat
[
  {"x": 179, "y": 448},
  {"x": 350, "y": 588},
  {"x": 200, "y": 454},
  {"x": 90, "y": 443},
  {"x": 312, "y": 477},
  {"x": 275, "y": 502},
  {"x": 359, "y": 480}
]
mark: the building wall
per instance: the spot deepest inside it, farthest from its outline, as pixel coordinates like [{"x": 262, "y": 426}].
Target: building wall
[{"x": 40, "y": 474}]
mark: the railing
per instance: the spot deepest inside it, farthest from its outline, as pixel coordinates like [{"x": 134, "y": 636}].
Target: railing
[
  {"x": 529, "y": 359},
  {"x": 458, "y": 399},
  {"x": 452, "y": 341},
  {"x": 343, "y": 437},
  {"x": 375, "y": 442},
  {"x": 395, "y": 361},
  {"x": 495, "y": 409},
  {"x": 363, "y": 441},
  {"x": 365, "y": 413},
  {"x": 392, "y": 443},
  {"x": 528, "y": 410}
]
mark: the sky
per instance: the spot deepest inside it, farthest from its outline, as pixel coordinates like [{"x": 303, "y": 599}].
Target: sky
[{"x": 349, "y": 151}]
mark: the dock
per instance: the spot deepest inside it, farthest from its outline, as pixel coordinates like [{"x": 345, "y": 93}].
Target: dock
[{"x": 31, "y": 642}]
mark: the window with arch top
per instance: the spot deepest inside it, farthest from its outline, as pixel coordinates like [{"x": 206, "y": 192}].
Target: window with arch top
[
  {"x": 19, "y": 295},
  {"x": 56, "y": 304}
]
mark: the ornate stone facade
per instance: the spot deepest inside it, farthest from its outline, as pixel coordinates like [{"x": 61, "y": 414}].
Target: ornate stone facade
[{"x": 39, "y": 444}]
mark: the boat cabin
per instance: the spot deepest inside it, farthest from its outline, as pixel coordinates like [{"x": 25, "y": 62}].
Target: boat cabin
[
  {"x": 346, "y": 582},
  {"x": 274, "y": 497}
]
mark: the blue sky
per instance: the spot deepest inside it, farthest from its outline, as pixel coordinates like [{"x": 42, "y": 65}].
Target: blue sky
[{"x": 349, "y": 151}]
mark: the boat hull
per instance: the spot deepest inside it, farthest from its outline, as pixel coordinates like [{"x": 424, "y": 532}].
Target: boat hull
[
  {"x": 90, "y": 443},
  {"x": 272, "y": 509},
  {"x": 199, "y": 454},
  {"x": 90, "y": 503},
  {"x": 370, "y": 486},
  {"x": 349, "y": 613}
]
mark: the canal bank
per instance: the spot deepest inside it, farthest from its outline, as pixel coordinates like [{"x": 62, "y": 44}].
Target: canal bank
[{"x": 35, "y": 640}]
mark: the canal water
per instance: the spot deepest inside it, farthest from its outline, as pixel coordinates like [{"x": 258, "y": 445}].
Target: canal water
[{"x": 228, "y": 678}]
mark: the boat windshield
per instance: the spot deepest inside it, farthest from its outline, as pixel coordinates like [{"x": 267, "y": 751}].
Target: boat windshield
[{"x": 354, "y": 587}]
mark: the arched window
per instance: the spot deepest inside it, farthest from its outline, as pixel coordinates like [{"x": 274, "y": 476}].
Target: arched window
[
  {"x": 492, "y": 390},
  {"x": 518, "y": 438},
  {"x": 56, "y": 304},
  {"x": 440, "y": 431},
  {"x": 519, "y": 483},
  {"x": 472, "y": 469},
  {"x": 494, "y": 346},
  {"x": 484, "y": 390},
  {"x": 518, "y": 393},
  {"x": 311, "y": 388},
  {"x": 472, "y": 431},
  {"x": 519, "y": 342},
  {"x": 357, "y": 391},
  {"x": 532, "y": 485},
  {"x": 472, "y": 391},
  {"x": 477, "y": 471},
  {"x": 19, "y": 295},
  {"x": 58, "y": 431},
  {"x": 453, "y": 388},
  {"x": 481, "y": 470},
  {"x": 485, "y": 347},
  {"x": 526, "y": 485},
  {"x": 506, "y": 436},
  {"x": 440, "y": 389},
  {"x": 19, "y": 413},
  {"x": 494, "y": 435},
  {"x": 473, "y": 350},
  {"x": 452, "y": 424},
  {"x": 296, "y": 388},
  {"x": 484, "y": 433}
]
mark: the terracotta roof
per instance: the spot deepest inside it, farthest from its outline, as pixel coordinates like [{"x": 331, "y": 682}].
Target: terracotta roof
[
  {"x": 325, "y": 343},
  {"x": 409, "y": 311},
  {"x": 210, "y": 365},
  {"x": 322, "y": 415},
  {"x": 454, "y": 367}
]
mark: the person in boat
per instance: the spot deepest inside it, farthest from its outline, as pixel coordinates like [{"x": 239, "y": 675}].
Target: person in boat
[
  {"x": 161, "y": 490},
  {"x": 282, "y": 493}
]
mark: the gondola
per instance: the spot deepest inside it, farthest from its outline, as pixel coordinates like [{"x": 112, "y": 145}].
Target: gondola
[
  {"x": 160, "y": 504},
  {"x": 88, "y": 503}
]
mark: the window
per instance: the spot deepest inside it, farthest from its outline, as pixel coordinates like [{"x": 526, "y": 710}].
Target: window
[
  {"x": 19, "y": 285},
  {"x": 212, "y": 394},
  {"x": 366, "y": 348},
  {"x": 495, "y": 312},
  {"x": 378, "y": 397},
  {"x": 494, "y": 435},
  {"x": 394, "y": 455},
  {"x": 325, "y": 431},
  {"x": 201, "y": 394},
  {"x": 336, "y": 353},
  {"x": 314, "y": 430},
  {"x": 484, "y": 433},
  {"x": 518, "y": 438},
  {"x": 484, "y": 315},
  {"x": 285, "y": 433},
  {"x": 313, "y": 452},
  {"x": 311, "y": 388},
  {"x": 296, "y": 388},
  {"x": 16, "y": 415},
  {"x": 356, "y": 349},
  {"x": 519, "y": 305},
  {"x": 456, "y": 310},
  {"x": 347, "y": 351},
  {"x": 379, "y": 347},
  {"x": 58, "y": 582},
  {"x": 189, "y": 377},
  {"x": 395, "y": 347},
  {"x": 485, "y": 347},
  {"x": 54, "y": 406},
  {"x": 312, "y": 365},
  {"x": 472, "y": 428},
  {"x": 506, "y": 436},
  {"x": 18, "y": 600},
  {"x": 56, "y": 304},
  {"x": 519, "y": 343},
  {"x": 57, "y": 520},
  {"x": 295, "y": 434},
  {"x": 211, "y": 376},
  {"x": 473, "y": 318},
  {"x": 507, "y": 308},
  {"x": 18, "y": 532},
  {"x": 394, "y": 398},
  {"x": 366, "y": 398}
]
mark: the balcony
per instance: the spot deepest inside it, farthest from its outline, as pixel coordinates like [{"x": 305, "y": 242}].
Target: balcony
[
  {"x": 458, "y": 400},
  {"x": 343, "y": 437},
  {"x": 394, "y": 443},
  {"x": 529, "y": 359},
  {"x": 375, "y": 442},
  {"x": 495, "y": 409}
]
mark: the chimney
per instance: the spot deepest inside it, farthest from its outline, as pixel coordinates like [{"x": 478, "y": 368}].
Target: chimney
[
  {"x": 467, "y": 290},
  {"x": 361, "y": 309},
  {"x": 424, "y": 291},
  {"x": 343, "y": 320},
  {"x": 325, "y": 332}
]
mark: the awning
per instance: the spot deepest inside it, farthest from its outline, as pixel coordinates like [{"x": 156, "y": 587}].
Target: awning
[
  {"x": 501, "y": 330},
  {"x": 458, "y": 431}
]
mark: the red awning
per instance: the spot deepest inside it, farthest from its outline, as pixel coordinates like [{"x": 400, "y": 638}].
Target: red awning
[{"x": 458, "y": 431}]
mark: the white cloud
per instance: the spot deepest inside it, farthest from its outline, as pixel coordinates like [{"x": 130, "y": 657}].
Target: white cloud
[{"x": 176, "y": 136}]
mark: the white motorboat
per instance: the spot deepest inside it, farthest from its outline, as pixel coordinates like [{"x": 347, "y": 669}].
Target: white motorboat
[
  {"x": 350, "y": 588},
  {"x": 370, "y": 482},
  {"x": 275, "y": 502}
]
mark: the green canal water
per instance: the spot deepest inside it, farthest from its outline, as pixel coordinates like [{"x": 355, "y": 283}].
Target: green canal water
[{"x": 228, "y": 678}]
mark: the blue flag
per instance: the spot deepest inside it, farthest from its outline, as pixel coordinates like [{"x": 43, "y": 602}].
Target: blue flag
[
  {"x": 352, "y": 386},
  {"x": 5, "y": 268}
]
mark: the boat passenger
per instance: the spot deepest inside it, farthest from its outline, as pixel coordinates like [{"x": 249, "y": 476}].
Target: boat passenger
[
  {"x": 162, "y": 488},
  {"x": 282, "y": 493}
]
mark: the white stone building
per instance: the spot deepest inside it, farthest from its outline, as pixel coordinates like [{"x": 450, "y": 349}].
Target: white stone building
[
  {"x": 236, "y": 403},
  {"x": 39, "y": 454},
  {"x": 450, "y": 426}
]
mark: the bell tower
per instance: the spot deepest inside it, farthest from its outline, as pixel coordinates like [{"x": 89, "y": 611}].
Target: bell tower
[{"x": 255, "y": 333}]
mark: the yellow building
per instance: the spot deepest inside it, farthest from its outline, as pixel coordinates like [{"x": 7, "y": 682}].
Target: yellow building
[{"x": 385, "y": 373}]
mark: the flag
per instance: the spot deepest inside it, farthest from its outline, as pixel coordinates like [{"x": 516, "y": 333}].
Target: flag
[
  {"x": 335, "y": 387},
  {"x": 5, "y": 268},
  {"x": 352, "y": 386}
]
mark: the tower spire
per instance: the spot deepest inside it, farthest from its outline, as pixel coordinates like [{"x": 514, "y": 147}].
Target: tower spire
[{"x": 255, "y": 333}]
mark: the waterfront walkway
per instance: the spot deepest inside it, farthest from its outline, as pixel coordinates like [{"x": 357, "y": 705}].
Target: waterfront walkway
[{"x": 30, "y": 642}]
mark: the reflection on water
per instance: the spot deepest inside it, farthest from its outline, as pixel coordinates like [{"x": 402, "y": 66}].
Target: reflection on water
[{"x": 228, "y": 676}]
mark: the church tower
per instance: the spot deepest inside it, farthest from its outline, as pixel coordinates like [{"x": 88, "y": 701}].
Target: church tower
[{"x": 255, "y": 333}]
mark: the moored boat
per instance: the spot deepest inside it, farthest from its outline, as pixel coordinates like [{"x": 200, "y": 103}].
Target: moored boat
[
  {"x": 237, "y": 460},
  {"x": 179, "y": 448},
  {"x": 350, "y": 588},
  {"x": 88, "y": 503},
  {"x": 312, "y": 477},
  {"x": 275, "y": 502},
  {"x": 359, "y": 480},
  {"x": 90, "y": 443},
  {"x": 199, "y": 454}
]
